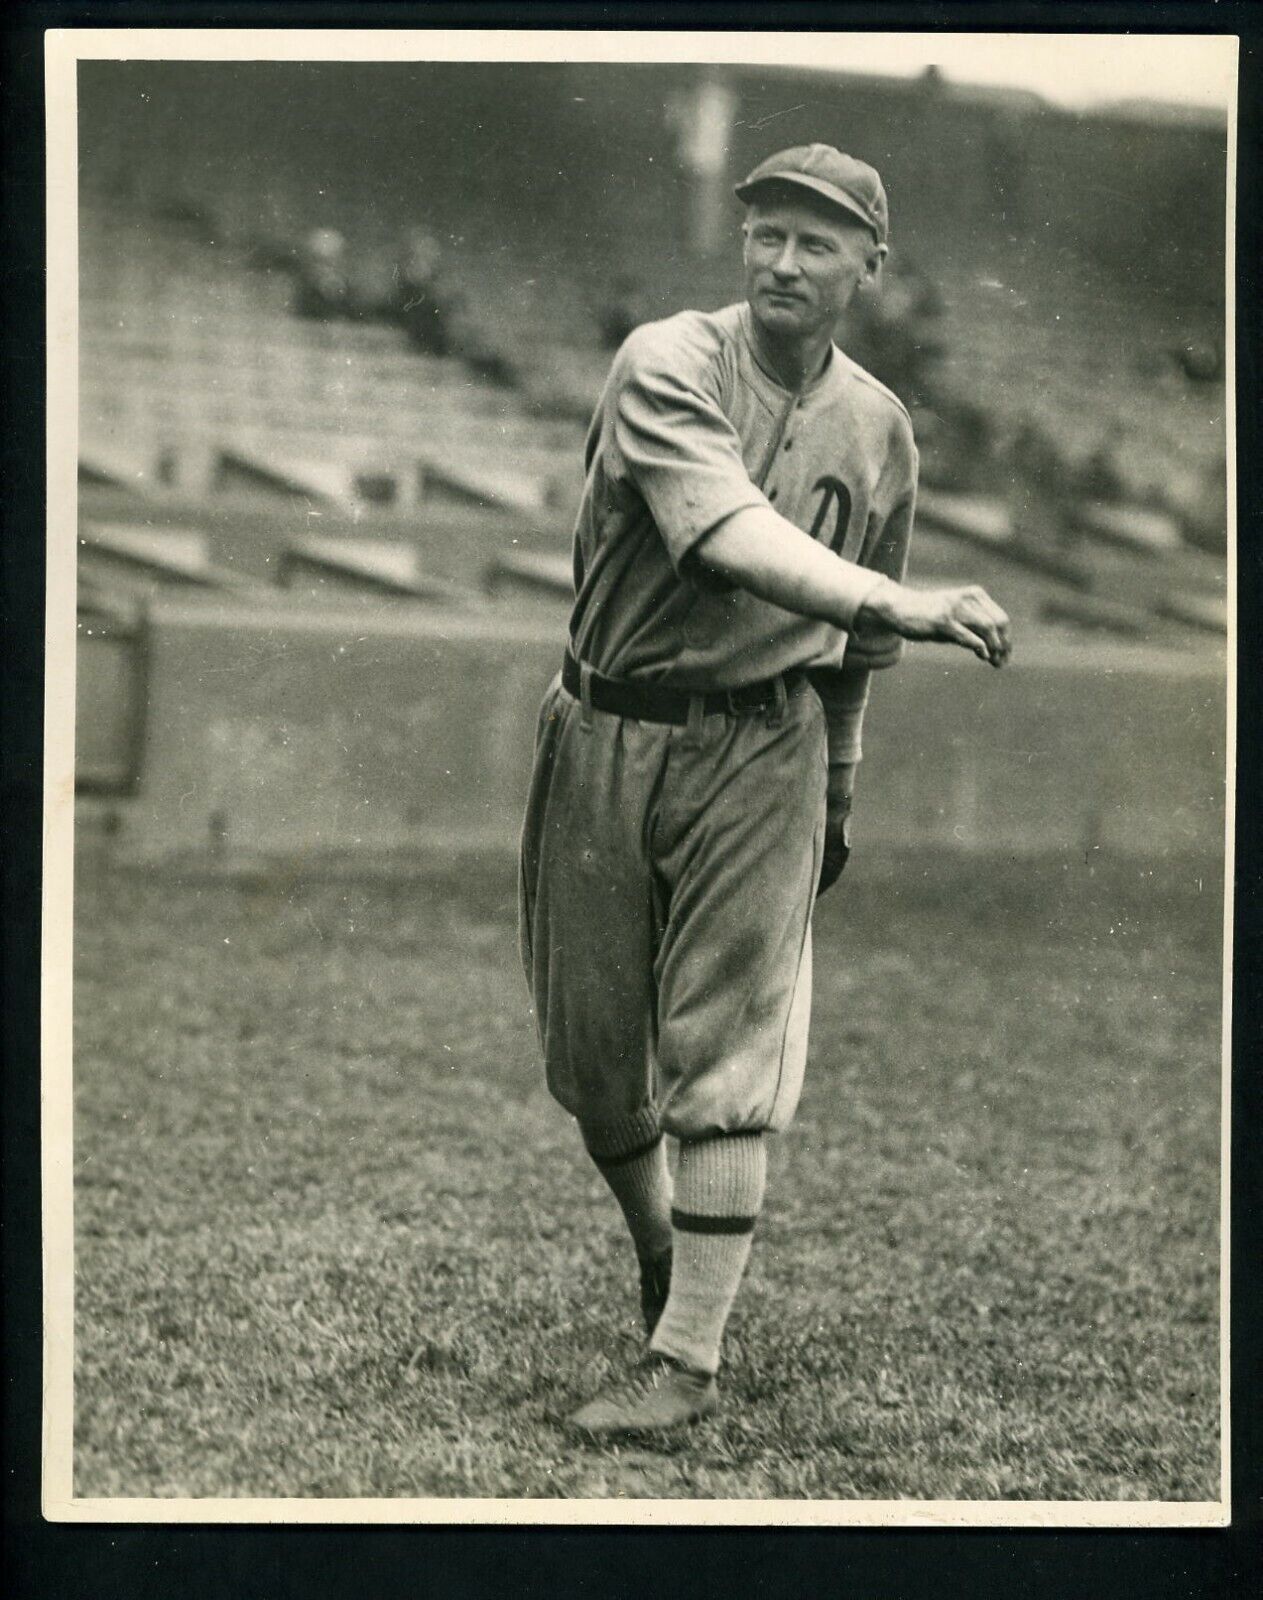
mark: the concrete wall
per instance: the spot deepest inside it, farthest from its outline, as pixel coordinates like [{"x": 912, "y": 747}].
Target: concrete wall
[
  {"x": 293, "y": 734},
  {"x": 295, "y": 731},
  {"x": 1094, "y": 747}
]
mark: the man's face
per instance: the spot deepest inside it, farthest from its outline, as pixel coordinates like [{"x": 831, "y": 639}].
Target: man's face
[{"x": 803, "y": 262}]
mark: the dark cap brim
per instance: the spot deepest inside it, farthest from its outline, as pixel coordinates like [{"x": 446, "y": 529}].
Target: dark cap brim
[{"x": 745, "y": 192}]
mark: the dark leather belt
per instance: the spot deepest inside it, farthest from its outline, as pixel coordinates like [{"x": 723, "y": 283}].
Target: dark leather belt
[{"x": 653, "y": 702}]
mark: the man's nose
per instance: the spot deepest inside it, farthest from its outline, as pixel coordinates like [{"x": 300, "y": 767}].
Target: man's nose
[{"x": 786, "y": 263}]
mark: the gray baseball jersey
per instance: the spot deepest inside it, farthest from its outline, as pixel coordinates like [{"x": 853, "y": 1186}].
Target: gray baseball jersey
[{"x": 690, "y": 429}]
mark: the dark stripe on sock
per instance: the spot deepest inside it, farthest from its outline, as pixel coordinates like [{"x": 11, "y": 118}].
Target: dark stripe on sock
[
  {"x": 632, "y": 1155},
  {"x": 690, "y": 1222}
]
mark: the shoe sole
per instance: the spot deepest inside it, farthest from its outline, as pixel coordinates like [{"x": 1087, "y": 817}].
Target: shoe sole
[{"x": 642, "y": 1431}]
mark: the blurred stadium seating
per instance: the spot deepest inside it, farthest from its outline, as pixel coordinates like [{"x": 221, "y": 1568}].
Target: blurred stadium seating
[
  {"x": 195, "y": 380},
  {"x": 1072, "y": 420},
  {"x": 188, "y": 356}
]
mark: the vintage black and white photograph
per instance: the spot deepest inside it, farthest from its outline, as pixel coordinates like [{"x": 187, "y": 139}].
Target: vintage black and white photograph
[{"x": 639, "y": 787}]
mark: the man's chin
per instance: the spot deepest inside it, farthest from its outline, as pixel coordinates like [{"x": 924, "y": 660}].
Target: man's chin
[{"x": 785, "y": 316}]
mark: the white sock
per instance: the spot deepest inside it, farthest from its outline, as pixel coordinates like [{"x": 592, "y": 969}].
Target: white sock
[{"x": 719, "y": 1185}]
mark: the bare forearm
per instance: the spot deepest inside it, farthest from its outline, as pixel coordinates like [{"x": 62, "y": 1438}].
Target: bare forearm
[
  {"x": 768, "y": 556},
  {"x": 765, "y": 554},
  {"x": 841, "y": 783}
]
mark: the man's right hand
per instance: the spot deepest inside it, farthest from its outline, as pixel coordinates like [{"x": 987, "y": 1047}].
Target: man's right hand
[{"x": 968, "y": 617}]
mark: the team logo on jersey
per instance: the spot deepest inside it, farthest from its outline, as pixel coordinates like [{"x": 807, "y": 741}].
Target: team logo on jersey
[{"x": 833, "y": 492}]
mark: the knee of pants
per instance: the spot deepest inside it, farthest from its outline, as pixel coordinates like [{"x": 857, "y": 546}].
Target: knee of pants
[
  {"x": 723, "y": 1099},
  {"x": 753, "y": 1087}
]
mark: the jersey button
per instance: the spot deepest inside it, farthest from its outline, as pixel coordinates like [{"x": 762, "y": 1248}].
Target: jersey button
[
  {"x": 771, "y": 494},
  {"x": 789, "y": 444}
]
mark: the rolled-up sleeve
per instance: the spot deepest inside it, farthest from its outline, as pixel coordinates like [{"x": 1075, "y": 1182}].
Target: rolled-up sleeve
[{"x": 674, "y": 443}]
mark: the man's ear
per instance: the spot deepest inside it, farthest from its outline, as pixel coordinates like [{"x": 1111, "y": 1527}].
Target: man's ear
[{"x": 873, "y": 265}]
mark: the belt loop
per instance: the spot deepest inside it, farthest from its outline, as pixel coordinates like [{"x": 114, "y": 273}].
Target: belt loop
[
  {"x": 697, "y": 710},
  {"x": 776, "y": 712},
  {"x": 585, "y": 696}
]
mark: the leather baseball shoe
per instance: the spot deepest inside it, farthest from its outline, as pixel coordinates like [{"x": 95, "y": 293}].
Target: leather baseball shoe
[
  {"x": 659, "y": 1396},
  {"x": 655, "y": 1285}
]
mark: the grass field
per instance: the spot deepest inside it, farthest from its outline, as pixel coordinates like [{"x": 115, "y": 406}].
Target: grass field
[{"x": 333, "y": 1239}]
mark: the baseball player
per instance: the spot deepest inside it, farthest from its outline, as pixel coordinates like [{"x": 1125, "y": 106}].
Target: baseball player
[{"x": 738, "y": 564}]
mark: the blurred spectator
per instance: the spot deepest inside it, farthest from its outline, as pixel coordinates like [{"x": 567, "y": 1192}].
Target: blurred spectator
[
  {"x": 957, "y": 443},
  {"x": 322, "y": 290},
  {"x": 1101, "y": 476},
  {"x": 423, "y": 303},
  {"x": 620, "y": 313},
  {"x": 435, "y": 317},
  {"x": 1200, "y": 361},
  {"x": 895, "y": 333},
  {"x": 489, "y": 362},
  {"x": 1032, "y": 455},
  {"x": 1201, "y": 507},
  {"x": 1043, "y": 488}
]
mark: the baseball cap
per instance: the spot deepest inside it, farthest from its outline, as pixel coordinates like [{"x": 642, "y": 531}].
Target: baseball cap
[{"x": 846, "y": 181}]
